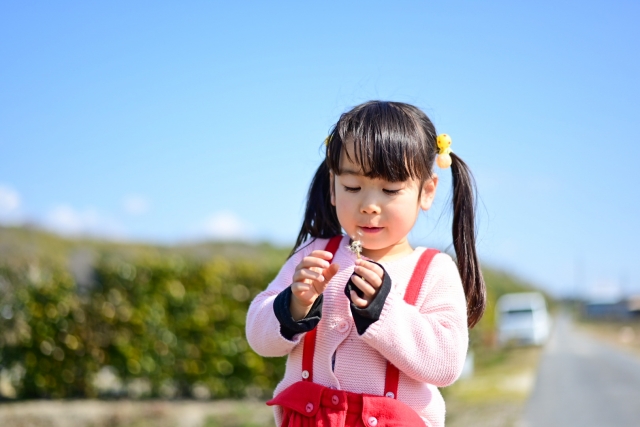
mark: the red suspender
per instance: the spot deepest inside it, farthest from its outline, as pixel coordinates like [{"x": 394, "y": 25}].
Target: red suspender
[
  {"x": 410, "y": 297},
  {"x": 310, "y": 337},
  {"x": 333, "y": 244},
  {"x": 307, "y": 355}
]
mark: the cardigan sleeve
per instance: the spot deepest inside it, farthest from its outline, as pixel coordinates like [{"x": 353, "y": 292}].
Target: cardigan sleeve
[
  {"x": 427, "y": 342},
  {"x": 290, "y": 327},
  {"x": 263, "y": 329}
]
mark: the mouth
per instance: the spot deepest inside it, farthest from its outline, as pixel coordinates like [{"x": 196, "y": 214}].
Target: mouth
[{"x": 371, "y": 230}]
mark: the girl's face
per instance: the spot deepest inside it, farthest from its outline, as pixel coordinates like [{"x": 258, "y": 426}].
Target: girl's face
[{"x": 379, "y": 213}]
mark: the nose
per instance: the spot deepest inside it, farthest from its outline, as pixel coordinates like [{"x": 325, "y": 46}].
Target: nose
[{"x": 370, "y": 205}]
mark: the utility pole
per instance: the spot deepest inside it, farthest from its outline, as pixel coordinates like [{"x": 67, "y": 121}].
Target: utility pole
[{"x": 579, "y": 293}]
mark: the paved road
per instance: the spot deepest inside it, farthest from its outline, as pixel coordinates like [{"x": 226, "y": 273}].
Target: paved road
[{"x": 583, "y": 382}]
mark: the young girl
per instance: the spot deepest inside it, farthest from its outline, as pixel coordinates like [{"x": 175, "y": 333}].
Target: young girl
[{"x": 370, "y": 325}]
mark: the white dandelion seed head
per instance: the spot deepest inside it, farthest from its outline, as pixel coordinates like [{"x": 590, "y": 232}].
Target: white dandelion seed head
[{"x": 356, "y": 247}]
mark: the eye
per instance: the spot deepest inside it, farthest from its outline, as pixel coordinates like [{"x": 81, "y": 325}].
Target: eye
[
  {"x": 351, "y": 189},
  {"x": 391, "y": 192}
]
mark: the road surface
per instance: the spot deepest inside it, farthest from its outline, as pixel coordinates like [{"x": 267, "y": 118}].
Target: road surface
[{"x": 583, "y": 382}]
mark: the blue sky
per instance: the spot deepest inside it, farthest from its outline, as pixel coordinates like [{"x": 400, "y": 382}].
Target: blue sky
[{"x": 177, "y": 121}]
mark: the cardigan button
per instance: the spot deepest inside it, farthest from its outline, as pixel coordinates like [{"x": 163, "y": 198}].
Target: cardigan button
[
  {"x": 309, "y": 407},
  {"x": 373, "y": 421},
  {"x": 335, "y": 399},
  {"x": 343, "y": 326},
  {"x": 390, "y": 395},
  {"x": 305, "y": 374}
]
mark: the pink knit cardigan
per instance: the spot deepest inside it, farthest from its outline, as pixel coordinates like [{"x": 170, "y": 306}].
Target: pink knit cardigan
[{"x": 427, "y": 342}]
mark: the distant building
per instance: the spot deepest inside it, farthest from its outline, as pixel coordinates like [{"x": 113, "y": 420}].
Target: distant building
[
  {"x": 633, "y": 305},
  {"x": 620, "y": 309}
]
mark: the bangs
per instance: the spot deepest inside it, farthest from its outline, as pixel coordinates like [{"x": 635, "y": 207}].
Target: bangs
[{"x": 387, "y": 140}]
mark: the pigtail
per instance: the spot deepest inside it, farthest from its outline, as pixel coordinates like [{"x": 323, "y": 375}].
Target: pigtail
[
  {"x": 464, "y": 239},
  {"x": 320, "y": 218}
]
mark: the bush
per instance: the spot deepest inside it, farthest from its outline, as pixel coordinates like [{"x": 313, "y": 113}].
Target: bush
[
  {"x": 178, "y": 325},
  {"x": 44, "y": 331}
]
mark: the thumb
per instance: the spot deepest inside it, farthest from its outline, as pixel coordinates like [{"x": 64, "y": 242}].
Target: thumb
[{"x": 329, "y": 272}]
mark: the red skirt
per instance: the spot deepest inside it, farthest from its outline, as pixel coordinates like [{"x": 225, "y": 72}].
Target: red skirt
[{"x": 307, "y": 404}]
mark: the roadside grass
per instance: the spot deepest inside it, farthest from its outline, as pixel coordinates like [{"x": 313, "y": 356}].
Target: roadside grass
[
  {"x": 624, "y": 334},
  {"x": 244, "y": 414},
  {"x": 496, "y": 393},
  {"x": 131, "y": 413}
]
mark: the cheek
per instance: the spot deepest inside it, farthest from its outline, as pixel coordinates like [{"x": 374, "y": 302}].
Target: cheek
[
  {"x": 404, "y": 212},
  {"x": 345, "y": 208},
  {"x": 343, "y": 202}
]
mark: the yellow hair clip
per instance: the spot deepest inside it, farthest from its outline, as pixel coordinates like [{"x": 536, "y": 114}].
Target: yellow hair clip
[
  {"x": 327, "y": 140},
  {"x": 444, "y": 144}
]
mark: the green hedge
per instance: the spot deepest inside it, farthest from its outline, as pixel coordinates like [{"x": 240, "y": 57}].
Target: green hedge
[{"x": 172, "y": 322}]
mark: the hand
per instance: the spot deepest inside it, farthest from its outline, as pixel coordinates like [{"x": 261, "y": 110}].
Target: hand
[
  {"x": 310, "y": 279},
  {"x": 368, "y": 278}
]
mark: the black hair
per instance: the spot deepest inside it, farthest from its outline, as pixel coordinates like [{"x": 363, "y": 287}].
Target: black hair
[{"x": 395, "y": 142}]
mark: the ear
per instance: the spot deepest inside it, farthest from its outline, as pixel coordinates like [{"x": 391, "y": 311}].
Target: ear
[
  {"x": 332, "y": 188},
  {"x": 428, "y": 192}
]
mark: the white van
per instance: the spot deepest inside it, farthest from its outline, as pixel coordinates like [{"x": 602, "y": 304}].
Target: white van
[{"x": 522, "y": 318}]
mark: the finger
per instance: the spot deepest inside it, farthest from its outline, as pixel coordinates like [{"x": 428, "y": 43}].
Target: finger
[
  {"x": 303, "y": 292},
  {"x": 372, "y": 278},
  {"x": 303, "y": 295},
  {"x": 309, "y": 274},
  {"x": 320, "y": 286},
  {"x": 308, "y": 291},
  {"x": 311, "y": 261},
  {"x": 357, "y": 301},
  {"x": 366, "y": 288},
  {"x": 328, "y": 273},
  {"x": 326, "y": 255},
  {"x": 300, "y": 288},
  {"x": 371, "y": 266}
]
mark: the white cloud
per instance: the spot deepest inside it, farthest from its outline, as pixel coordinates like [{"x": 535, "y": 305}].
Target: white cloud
[
  {"x": 64, "y": 219},
  {"x": 135, "y": 205},
  {"x": 9, "y": 205},
  {"x": 9, "y": 199},
  {"x": 226, "y": 225}
]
